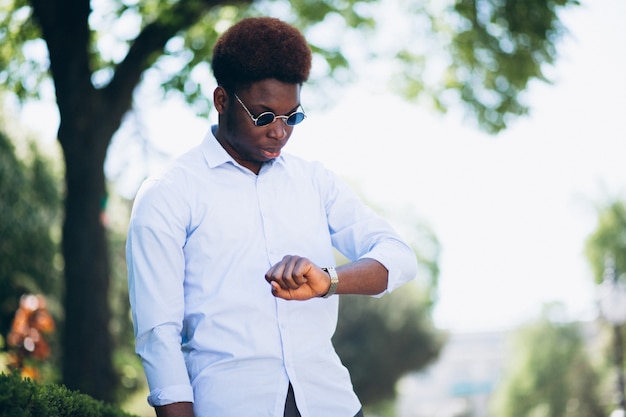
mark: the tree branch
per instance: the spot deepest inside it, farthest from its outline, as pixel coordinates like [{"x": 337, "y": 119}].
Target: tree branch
[{"x": 149, "y": 44}]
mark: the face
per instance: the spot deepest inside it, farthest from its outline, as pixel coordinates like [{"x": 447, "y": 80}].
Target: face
[{"x": 248, "y": 144}]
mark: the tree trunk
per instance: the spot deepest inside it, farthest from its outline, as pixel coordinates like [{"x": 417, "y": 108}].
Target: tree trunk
[
  {"x": 88, "y": 347},
  {"x": 88, "y": 120}
]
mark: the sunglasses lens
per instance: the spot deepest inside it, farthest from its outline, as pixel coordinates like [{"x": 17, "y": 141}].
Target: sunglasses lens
[
  {"x": 265, "y": 119},
  {"x": 295, "y": 118}
]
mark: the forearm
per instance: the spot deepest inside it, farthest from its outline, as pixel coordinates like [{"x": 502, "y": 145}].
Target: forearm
[
  {"x": 183, "y": 409},
  {"x": 365, "y": 276}
]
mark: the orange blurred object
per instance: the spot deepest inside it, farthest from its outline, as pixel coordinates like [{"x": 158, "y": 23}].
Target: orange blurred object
[
  {"x": 30, "y": 372},
  {"x": 26, "y": 339}
]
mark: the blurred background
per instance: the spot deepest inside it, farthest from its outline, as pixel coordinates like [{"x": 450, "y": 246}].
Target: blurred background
[{"x": 491, "y": 133}]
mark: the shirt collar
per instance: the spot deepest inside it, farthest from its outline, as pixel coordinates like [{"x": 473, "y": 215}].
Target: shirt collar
[
  {"x": 213, "y": 152},
  {"x": 216, "y": 155}
]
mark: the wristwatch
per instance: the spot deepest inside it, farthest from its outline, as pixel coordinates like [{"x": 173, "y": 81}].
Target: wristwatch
[{"x": 334, "y": 281}]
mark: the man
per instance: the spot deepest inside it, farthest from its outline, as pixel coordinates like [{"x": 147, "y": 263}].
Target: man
[{"x": 230, "y": 251}]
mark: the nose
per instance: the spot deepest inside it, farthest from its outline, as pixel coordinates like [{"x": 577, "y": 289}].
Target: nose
[{"x": 278, "y": 130}]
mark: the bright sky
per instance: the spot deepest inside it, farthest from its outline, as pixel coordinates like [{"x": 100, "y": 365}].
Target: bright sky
[{"x": 511, "y": 212}]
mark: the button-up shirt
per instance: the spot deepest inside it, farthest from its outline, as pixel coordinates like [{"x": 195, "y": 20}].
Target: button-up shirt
[{"x": 208, "y": 329}]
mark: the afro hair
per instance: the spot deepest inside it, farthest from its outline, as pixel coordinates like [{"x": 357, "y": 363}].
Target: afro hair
[{"x": 259, "y": 48}]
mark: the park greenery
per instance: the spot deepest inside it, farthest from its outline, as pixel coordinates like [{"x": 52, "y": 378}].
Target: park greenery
[
  {"x": 96, "y": 55},
  {"x": 549, "y": 372},
  {"x": 21, "y": 397},
  {"x": 608, "y": 240},
  {"x": 30, "y": 226},
  {"x": 567, "y": 369},
  {"x": 30, "y": 213}
]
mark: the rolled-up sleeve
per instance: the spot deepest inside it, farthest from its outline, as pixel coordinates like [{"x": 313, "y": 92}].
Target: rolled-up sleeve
[
  {"x": 358, "y": 232},
  {"x": 398, "y": 258},
  {"x": 154, "y": 252}
]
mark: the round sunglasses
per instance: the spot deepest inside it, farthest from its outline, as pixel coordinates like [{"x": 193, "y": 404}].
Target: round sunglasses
[{"x": 268, "y": 117}]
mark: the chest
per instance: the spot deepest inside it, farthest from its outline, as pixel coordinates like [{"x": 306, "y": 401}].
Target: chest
[{"x": 276, "y": 214}]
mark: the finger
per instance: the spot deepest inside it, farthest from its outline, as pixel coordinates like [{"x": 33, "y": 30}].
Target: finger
[
  {"x": 276, "y": 272},
  {"x": 279, "y": 292},
  {"x": 290, "y": 276},
  {"x": 270, "y": 274},
  {"x": 275, "y": 287},
  {"x": 300, "y": 272},
  {"x": 289, "y": 272}
]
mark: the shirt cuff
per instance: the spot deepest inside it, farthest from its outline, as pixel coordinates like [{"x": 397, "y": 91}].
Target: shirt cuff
[
  {"x": 169, "y": 395},
  {"x": 400, "y": 262}
]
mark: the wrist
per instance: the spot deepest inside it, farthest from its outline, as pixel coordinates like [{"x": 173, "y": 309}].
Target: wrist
[{"x": 334, "y": 281}]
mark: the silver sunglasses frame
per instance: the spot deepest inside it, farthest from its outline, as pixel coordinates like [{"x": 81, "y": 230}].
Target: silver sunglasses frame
[{"x": 284, "y": 118}]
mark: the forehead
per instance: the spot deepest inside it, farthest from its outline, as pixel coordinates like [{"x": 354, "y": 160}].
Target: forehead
[{"x": 274, "y": 92}]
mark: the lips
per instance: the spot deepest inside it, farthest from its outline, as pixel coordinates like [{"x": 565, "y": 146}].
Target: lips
[{"x": 271, "y": 153}]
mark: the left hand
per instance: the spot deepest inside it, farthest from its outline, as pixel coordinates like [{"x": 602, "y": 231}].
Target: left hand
[{"x": 297, "y": 278}]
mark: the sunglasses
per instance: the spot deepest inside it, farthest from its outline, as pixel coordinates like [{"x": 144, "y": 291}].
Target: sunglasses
[{"x": 268, "y": 117}]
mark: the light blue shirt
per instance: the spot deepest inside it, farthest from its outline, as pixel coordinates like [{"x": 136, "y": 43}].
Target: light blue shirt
[{"x": 208, "y": 329}]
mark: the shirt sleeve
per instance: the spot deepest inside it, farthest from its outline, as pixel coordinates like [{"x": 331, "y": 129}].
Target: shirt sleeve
[
  {"x": 359, "y": 232},
  {"x": 154, "y": 252}
]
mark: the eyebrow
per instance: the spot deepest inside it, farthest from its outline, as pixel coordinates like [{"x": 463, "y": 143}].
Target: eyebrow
[{"x": 269, "y": 109}]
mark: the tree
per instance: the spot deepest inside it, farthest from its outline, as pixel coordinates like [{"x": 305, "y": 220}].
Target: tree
[
  {"x": 30, "y": 207},
  {"x": 549, "y": 373},
  {"x": 609, "y": 239},
  {"x": 606, "y": 244},
  {"x": 495, "y": 48},
  {"x": 65, "y": 42}
]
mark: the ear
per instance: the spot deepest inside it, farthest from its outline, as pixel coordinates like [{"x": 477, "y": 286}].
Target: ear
[{"x": 220, "y": 99}]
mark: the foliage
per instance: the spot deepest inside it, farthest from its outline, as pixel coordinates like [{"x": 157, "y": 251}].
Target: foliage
[
  {"x": 30, "y": 213},
  {"x": 495, "y": 48},
  {"x": 21, "y": 68},
  {"x": 380, "y": 340},
  {"x": 30, "y": 206},
  {"x": 25, "y": 398},
  {"x": 549, "y": 373},
  {"x": 609, "y": 239},
  {"x": 607, "y": 243}
]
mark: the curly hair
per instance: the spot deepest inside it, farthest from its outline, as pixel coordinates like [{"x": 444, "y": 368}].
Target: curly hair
[{"x": 259, "y": 48}]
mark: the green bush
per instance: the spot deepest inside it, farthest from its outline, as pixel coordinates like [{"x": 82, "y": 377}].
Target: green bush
[{"x": 24, "y": 398}]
